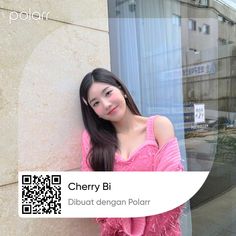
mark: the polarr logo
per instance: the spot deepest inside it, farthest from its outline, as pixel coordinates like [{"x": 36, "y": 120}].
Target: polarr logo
[{"x": 30, "y": 15}]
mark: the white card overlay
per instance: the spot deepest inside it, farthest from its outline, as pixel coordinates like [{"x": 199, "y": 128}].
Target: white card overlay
[{"x": 104, "y": 194}]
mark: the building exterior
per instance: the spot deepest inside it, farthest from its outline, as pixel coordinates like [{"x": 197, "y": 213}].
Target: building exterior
[
  {"x": 178, "y": 59},
  {"x": 208, "y": 36}
]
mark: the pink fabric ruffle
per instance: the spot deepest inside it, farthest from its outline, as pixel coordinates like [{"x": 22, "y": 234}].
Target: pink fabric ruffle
[
  {"x": 165, "y": 224},
  {"x": 167, "y": 158}
]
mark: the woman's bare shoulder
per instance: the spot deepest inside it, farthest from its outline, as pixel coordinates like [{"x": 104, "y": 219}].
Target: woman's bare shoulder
[{"x": 163, "y": 130}]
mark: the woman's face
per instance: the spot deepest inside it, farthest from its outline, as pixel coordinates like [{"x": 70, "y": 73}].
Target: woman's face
[{"x": 107, "y": 101}]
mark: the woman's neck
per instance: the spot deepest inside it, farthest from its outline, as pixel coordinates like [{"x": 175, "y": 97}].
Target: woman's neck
[{"x": 127, "y": 123}]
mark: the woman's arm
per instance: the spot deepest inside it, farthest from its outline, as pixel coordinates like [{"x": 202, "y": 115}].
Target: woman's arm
[
  {"x": 168, "y": 157},
  {"x": 163, "y": 130}
]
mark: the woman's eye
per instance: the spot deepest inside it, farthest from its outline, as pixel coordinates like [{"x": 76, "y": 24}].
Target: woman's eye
[
  {"x": 108, "y": 93},
  {"x": 95, "y": 104}
]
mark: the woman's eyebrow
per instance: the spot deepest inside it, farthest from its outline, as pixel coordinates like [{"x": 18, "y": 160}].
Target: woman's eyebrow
[{"x": 104, "y": 90}]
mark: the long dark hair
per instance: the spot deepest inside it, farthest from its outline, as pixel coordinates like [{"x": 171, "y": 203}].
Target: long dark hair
[{"x": 104, "y": 141}]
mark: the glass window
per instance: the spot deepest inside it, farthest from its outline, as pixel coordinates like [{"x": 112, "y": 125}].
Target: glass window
[
  {"x": 220, "y": 18},
  {"x": 192, "y": 25},
  {"x": 203, "y": 2},
  {"x": 195, "y": 88},
  {"x": 206, "y": 29},
  {"x": 176, "y": 20},
  {"x": 222, "y": 41}
]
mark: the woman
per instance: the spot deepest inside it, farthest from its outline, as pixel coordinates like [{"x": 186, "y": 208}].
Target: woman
[{"x": 111, "y": 120}]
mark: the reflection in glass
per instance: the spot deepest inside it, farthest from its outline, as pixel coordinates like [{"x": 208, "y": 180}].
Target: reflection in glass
[{"x": 178, "y": 59}]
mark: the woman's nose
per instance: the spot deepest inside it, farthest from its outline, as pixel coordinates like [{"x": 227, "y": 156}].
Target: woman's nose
[{"x": 106, "y": 104}]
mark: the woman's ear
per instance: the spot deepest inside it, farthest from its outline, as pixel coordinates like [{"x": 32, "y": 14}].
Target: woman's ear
[{"x": 120, "y": 88}]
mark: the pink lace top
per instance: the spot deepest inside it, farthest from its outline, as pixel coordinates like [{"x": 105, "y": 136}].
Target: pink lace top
[{"x": 147, "y": 157}]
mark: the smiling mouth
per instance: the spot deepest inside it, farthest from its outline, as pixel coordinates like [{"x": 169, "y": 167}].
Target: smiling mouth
[{"x": 111, "y": 110}]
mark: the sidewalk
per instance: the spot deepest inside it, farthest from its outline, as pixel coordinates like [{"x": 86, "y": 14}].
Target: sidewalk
[{"x": 216, "y": 217}]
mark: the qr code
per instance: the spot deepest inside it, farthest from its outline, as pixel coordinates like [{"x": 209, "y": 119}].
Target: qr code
[{"x": 41, "y": 194}]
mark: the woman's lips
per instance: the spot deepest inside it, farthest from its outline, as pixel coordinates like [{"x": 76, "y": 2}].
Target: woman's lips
[{"x": 112, "y": 110}]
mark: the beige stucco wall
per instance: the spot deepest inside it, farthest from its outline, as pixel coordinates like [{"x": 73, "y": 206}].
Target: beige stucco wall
[{"x": 41, "y": 66}]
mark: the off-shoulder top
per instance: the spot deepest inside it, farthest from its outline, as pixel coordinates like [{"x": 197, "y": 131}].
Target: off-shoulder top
[{"x": 146, "y": 157}]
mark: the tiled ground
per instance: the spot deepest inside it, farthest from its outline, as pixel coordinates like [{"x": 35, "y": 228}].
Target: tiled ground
[{"x": 217, "y": 217}]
